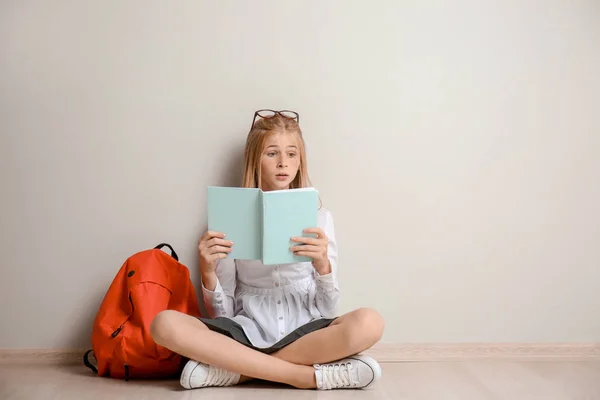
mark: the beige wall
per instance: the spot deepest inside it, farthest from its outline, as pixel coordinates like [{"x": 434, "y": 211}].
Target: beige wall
[{"x": 456, "y": 145}]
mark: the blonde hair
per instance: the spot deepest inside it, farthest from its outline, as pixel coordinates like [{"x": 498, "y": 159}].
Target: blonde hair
[{"x": 255, "y": 145}]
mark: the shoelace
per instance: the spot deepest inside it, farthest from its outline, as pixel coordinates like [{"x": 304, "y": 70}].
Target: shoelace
[
  {"x": 218, "y": 377},
  {"x": 337, "y": 375}
]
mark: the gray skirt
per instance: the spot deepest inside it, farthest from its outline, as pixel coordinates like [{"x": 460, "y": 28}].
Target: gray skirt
[{"x": 232, "y": 329}]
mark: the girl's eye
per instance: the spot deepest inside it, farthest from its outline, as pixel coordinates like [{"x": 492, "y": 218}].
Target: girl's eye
[
  {"x": 271, "y": 154},
  {"x": 292, "y": 155}
]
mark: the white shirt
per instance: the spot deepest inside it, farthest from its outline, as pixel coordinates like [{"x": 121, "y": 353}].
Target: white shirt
[{"x": 271, "y": 301}]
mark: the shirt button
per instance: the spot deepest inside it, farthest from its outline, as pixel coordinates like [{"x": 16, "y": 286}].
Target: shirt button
[
  {"x": 277, "y": 285},
  {"x": 282, "y": 332},
  {"x": 278, "y": 301},
  {"x": 280, "y": 317}
]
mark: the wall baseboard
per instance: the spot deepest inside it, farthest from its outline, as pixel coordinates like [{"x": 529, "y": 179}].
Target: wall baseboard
[
  {"x": 42, "y": 356},
  {"x": 393, "y": 352},
  {"x": 383, "y": 352}
]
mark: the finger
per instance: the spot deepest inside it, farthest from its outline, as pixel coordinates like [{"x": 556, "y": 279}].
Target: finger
[
  {"x": 216, "y": 256},
  {"x": 207, "y": 252},
  {"x": 311, "y": 254},
  {"x": 217, "y": 241},
  {"x": 307, "y": 240},
  {"x": 219, "y": 249},
  {"x": 211, "y": 234},
  {"x": 208, "y": 235},
  {"x": 307, "y": 247},
  {"x": 205, "y": 237},
  {"x": 215, "y": 234},
  {"x": 318, "y": 231},
  {"x": 214, "y": 242}
]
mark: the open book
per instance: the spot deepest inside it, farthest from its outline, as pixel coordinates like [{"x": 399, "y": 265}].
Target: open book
[{"x": 261, "y": 224}]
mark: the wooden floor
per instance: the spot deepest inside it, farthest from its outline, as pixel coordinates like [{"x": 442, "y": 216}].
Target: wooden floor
[{"x": 412, "y": 380}]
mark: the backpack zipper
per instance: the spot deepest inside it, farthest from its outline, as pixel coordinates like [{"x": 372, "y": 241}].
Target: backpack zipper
[{"x": 115, "y": 333}]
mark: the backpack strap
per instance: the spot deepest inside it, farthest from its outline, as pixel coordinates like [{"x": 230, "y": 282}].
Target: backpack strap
[
  {"x": 86, "y": 361},
  {"x": 173, "y": 254},
  {"x": 126, "y": 372}
]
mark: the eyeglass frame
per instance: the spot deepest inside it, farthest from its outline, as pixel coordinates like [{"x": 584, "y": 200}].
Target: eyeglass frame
[{"x": 275, "y": 113}]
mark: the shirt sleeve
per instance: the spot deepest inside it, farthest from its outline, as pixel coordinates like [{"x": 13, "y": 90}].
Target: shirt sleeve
[
  {"x": 219, "y": 303},
  {"x": 328, "y": 291}
]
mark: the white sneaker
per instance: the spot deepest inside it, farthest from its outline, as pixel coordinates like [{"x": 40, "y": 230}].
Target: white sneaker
[
  {"x": 350, "y": 373},
  {"x": 196, "y": 374}
]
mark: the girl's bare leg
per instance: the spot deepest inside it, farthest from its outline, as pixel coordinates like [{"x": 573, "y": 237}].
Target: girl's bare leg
[
  {"x": 347, "y": 335},
  {"x": 189, "y": 337}
]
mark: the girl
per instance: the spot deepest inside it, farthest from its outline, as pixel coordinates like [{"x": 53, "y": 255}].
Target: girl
[{"x": 275, "y": 323}]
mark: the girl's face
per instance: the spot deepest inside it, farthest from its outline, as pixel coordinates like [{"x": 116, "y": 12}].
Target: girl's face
[{"x": 280, "y": 162}]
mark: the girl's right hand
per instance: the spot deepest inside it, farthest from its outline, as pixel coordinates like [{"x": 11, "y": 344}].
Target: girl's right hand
[{"x": 211, "y": 247}]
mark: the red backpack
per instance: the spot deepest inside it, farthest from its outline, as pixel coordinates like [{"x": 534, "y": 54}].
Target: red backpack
[{"x": 147, "y": 283}]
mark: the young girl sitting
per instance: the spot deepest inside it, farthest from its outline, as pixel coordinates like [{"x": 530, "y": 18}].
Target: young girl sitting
[{"x": 276, "y": 323}]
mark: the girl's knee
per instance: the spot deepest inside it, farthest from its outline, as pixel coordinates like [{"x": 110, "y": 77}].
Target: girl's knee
[
  {"x": 162, "y": 326},
  {"x": 168, "y": 326},
  {"x": 369, "y": 324}
]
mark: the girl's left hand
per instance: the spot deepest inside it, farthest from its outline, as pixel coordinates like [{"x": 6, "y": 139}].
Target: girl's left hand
[{"x": 315, "y": 248}]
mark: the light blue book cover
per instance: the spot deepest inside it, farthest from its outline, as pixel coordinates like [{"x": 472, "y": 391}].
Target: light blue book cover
[
  {"x": 286, "y": 213},
  {"x": 236, "y": 212},
  {"x": 261, "y": 224}
]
